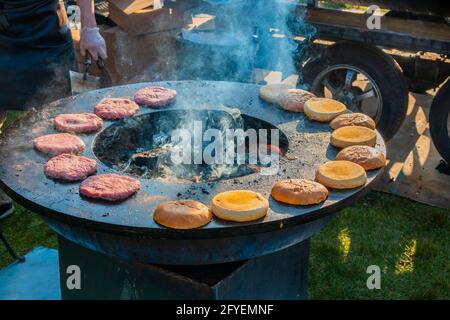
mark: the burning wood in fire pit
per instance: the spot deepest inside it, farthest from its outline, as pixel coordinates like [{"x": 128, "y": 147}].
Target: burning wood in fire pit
[{"x": 150, "y": 145}]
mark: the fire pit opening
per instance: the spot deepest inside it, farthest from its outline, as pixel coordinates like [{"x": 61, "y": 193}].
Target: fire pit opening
[{"x": 175, "y": 144}]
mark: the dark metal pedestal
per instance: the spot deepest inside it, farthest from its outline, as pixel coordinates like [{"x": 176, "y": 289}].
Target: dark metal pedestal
[{"x": 281, "y": 275}]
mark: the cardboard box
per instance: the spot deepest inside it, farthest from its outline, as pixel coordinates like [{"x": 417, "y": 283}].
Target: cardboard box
[
  {"x": 139, "y": 17},
  {"x": 130, "y": 6},
  {"x": 202, "y": 22},
  {"x": 149, "y": 57}
]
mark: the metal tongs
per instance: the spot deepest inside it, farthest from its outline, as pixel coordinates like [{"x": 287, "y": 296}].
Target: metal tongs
[
  {"x": 82, "y": 82},
  {"x": 88, "y": 63}
]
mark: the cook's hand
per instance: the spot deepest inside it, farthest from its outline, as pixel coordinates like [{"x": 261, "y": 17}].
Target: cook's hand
[{"x": 93, "y": 42}]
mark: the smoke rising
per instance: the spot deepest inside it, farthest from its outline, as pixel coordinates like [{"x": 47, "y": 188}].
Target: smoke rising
[{"x": 247, "y": 34}]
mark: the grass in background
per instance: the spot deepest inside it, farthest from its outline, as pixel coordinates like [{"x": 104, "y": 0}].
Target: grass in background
[
  {"x": 24, "y": 230},
  {"x": 12, "y": 117},
  {"x": 409, "y": 241}
]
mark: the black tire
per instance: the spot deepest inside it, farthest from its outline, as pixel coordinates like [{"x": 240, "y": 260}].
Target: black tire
[
  {"x": 383, "y": 70},
  {"x": 439, "y": 117}
]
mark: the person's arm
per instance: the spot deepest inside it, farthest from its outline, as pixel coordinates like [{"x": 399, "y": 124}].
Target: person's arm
[{"x": 90, "y": 38}]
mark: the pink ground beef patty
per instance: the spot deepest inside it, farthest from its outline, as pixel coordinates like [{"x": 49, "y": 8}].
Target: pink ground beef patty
[
  {"x": 155, "y": 97},
  {"x": 116, "y": 108},
  {"x": 59, "y": 143},
  {"x": 78, "y": 123},
  {"x": 110, "y": 187},
  {"x": 70, "y": 167}
]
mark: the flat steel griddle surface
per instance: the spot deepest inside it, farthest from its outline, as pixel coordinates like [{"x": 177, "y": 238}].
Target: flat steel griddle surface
[{"x": 22, "y": 175}]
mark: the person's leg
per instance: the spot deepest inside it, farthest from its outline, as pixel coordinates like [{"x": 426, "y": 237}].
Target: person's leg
[{"x": 6, "y": 205}]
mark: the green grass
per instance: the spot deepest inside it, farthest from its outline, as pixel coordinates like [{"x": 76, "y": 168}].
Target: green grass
[
  {"x": 12, "y": 117},
  {"x": 24, "y": 231},
  {"x": 379, "y": 230},
  {"x": 383, "y": 230}
]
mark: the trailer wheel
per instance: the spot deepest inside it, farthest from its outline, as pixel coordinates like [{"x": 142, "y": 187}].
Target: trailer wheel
[
  {"x": 440, "y": 121},
  {"x": 365, "y": 79}
]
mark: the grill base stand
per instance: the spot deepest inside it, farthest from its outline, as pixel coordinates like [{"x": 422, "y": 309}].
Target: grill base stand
[{"x": 281, "y": 275}]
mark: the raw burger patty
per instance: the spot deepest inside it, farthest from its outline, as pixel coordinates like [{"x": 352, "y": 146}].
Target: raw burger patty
[
  {"x": 154, "y": 96},
  {"x": 111, "y": 187},
  {"x": 59, "y": 143},
  {"x": 116, "y": 108},
  {"x": 78, "y": 123},
  {"x": 70, "y": 167}
]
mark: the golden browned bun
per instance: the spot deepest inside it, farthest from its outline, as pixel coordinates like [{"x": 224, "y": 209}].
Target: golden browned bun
[
  {"x": 367, "y": 157},
  {"x": 239, "y": 205},
  {"x": 324, "y": 109},
  {"x": 352, "y": 119},
  {"x": 270, "y": 92},
  {"x": 299, "y": 192},
  {"x": 182, "y": 214},
  {"x": 294, "y": 99},
  {"x": 341, "y": 175},
  {"x": 352, "y": 136}
]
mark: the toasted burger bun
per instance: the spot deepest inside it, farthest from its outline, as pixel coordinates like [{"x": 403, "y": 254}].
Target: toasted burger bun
[
  {"x": 294, "y": 99},
  {"x": 324, "y": 109},
  {"x": 270, "y": 92},
  {"x": 299, "y": 192},
  {"x": 352, "y": 136},
  {"x": 182, "y": 214},
  {"x": 341, "y": 175},
  {"x": 367, "y": 157},
  {"x": 352, "y": 119},
  {"x": 239, "y": 205}
]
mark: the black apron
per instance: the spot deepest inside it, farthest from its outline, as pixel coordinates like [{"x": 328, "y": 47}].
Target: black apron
[{"x": 36, "y": 54}]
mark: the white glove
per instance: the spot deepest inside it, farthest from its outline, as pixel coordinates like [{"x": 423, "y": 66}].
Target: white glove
[{"x": 93, "y": 42}]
